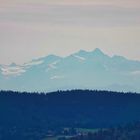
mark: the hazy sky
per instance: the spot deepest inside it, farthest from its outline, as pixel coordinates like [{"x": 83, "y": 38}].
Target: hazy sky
[{"x": 33, "y": 28}]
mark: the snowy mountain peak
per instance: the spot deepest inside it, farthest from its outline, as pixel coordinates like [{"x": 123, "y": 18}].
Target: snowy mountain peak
[
  {"x": 97, "y": 51},
  {"x": 82, "y": 52}
]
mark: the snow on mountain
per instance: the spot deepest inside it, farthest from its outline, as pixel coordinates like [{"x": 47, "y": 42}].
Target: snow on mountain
[
  {"x": 52, "y": 65},
  {"x": 56, "y": 77},
  {"x": 79, "y": 57},
  {"x": 12, "y": 70},
  {"x": 34, "y": 63}
]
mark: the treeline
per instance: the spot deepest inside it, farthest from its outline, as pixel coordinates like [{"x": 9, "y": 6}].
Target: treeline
[
  {"x": 127, "y": 132},
  {"x": 32, "y": 116}
]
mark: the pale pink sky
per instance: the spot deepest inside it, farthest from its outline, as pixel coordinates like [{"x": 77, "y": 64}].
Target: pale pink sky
[{"x": 34, "y": 28}]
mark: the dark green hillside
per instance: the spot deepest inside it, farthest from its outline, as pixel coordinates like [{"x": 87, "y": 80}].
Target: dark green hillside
[{"x": 33, "y": 116}]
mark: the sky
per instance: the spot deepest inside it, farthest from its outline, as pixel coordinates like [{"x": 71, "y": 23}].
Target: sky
[{"x": 34, "y": 28}]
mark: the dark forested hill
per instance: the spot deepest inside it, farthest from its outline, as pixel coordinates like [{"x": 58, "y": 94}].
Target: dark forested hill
[{"x": 31, "y": 116}]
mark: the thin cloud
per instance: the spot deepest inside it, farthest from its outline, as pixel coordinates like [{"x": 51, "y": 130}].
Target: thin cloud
[
  {"x": 73, "y": 15},
  {"x": 120, "y": 3}
]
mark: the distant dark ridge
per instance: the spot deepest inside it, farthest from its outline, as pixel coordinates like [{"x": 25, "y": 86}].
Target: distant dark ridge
[
  {"x": 68, "y": 91},
  {"x": 30, "y": 115}
]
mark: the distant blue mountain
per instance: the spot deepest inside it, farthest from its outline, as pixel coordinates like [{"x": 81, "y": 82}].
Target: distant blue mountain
[{"x": 81, "y": 70}]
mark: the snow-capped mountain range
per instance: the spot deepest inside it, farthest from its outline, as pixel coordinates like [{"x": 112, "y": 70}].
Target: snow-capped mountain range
[{"x": 81, "y": 70}]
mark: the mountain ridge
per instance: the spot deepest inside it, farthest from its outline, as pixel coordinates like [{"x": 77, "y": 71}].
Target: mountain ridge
[{"x": 81, "y": 70}]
